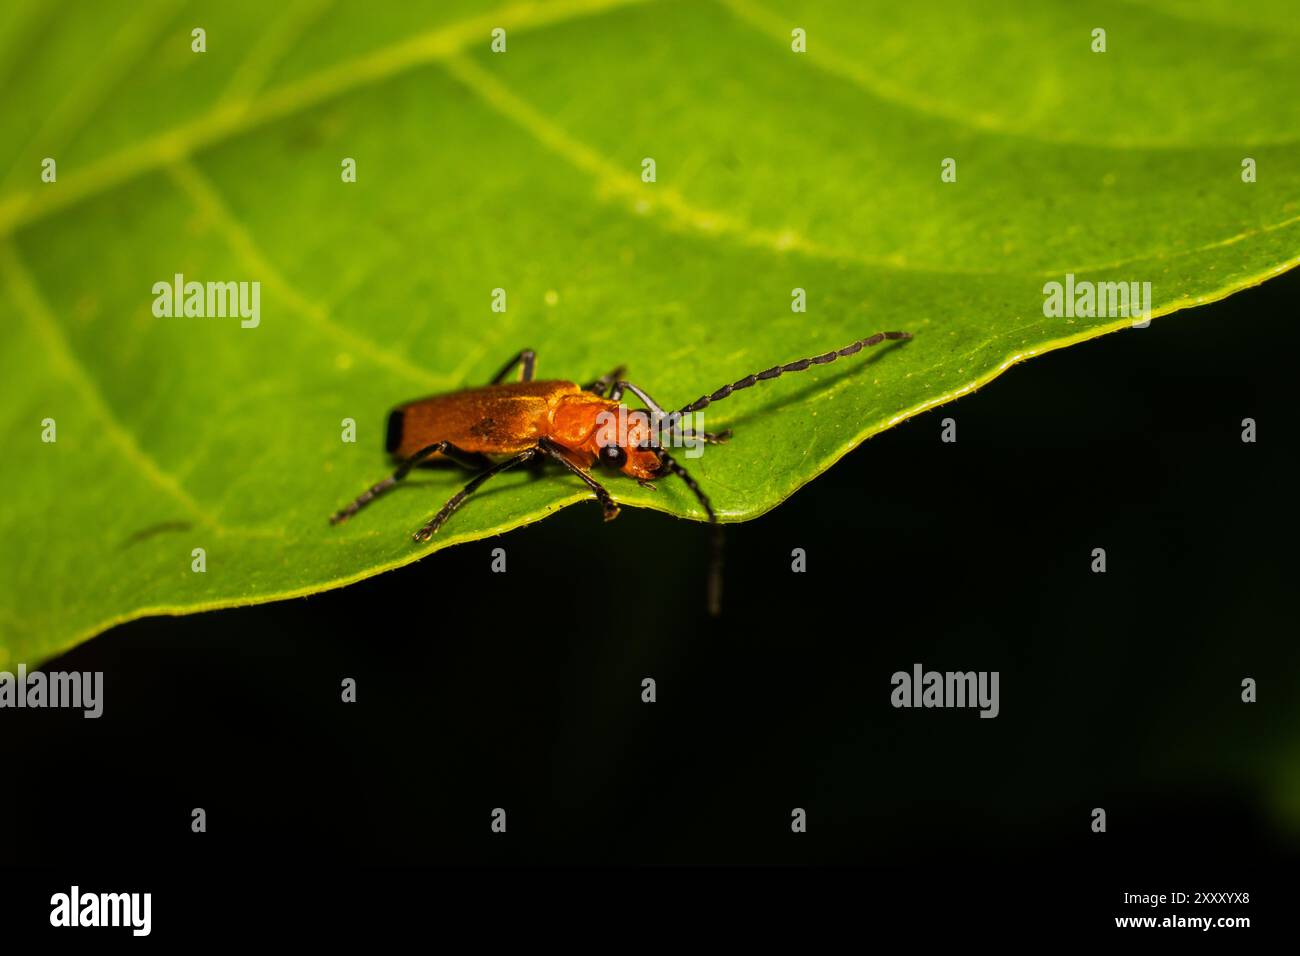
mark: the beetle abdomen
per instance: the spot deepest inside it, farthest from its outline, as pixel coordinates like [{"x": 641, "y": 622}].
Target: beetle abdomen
[
  {"x": 496, "y": 419},
  {"x": 394, "y": 438}
]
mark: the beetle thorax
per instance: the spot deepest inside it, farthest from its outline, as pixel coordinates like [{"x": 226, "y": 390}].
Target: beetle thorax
[
  {"x": 584, "y": 423},
  {"x": 575, "y": 419}
]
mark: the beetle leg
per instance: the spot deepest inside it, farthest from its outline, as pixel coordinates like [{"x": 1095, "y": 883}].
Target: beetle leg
[
  {"x": 716, "y": 541},
  {"x": 471, "y": 460},
  {"x": 456, "y": 500},
  {"x": 404, "y": 469},
  {"x": 527, "y": 358},
  {"x": 717, "y": 438},
  {"x": 671, "y": 465},
  {"x": 715, "y": 572},
  {"x": 607, "y": 504},
  {"x": 605, "y": 381}
]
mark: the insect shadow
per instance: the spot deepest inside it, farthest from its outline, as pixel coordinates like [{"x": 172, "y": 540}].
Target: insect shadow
[
  {"x": 424, "y": 476},
  {"x": 152, "y": 531}
]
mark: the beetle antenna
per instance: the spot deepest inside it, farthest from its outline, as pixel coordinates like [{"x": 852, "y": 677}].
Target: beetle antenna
[{"x": 778, "y": 370}]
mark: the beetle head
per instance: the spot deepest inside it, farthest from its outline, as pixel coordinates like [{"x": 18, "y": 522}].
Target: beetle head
[{"x": 625, "y": 441}]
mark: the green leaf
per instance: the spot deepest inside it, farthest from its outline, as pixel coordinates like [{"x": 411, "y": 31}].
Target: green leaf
[{"x": 521, "y": 170}]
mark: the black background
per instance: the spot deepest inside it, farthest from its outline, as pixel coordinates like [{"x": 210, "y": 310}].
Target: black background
[{"x": 479, "y": 690}]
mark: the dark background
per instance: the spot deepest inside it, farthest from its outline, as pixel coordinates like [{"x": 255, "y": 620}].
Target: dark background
[{"x": 479, "y": 690}]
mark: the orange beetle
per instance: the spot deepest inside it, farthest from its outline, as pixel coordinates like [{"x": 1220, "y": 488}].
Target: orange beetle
[{"x": 575, "y": 425}]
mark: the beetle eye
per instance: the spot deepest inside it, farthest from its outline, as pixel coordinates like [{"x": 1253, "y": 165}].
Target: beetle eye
[{"x": 613, "y": 455}]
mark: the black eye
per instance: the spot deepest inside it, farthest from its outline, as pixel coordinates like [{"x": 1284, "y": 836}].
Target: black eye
[{"x": 613, "y": 456}]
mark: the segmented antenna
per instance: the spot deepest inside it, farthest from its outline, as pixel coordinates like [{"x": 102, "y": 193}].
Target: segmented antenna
[{"x": 778, "y": 370}]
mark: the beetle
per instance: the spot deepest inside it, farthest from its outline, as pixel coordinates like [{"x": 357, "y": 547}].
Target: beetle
[{"x": 495, "y": 427}]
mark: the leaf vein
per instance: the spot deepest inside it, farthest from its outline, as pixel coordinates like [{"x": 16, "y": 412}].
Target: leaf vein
[
  {"x": 228, "y": 120},
  {"x": 46, "y": 326},
  {"x": 833, "y": 63},
  {"x": 204, "y": 195}
]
